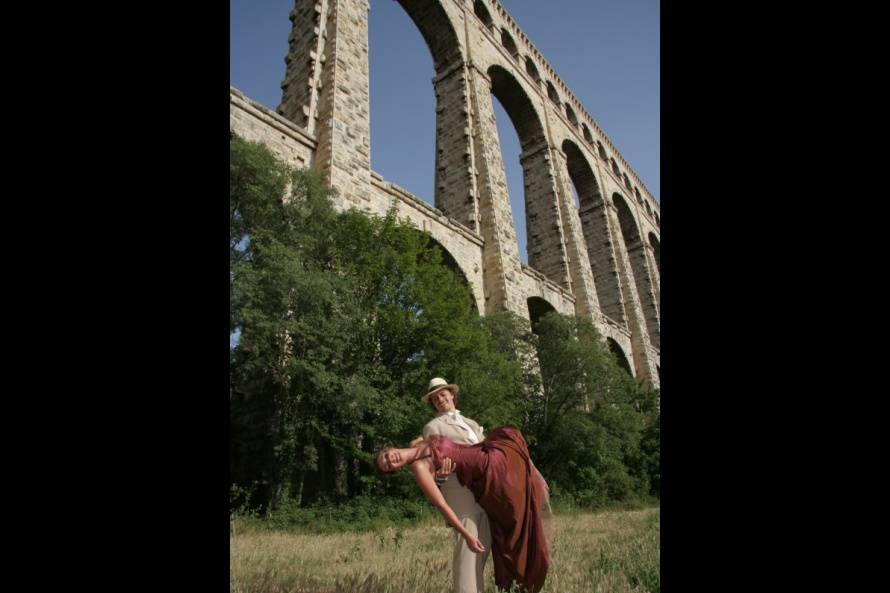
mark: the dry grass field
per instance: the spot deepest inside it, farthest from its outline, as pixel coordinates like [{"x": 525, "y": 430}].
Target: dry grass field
[{"x": 607, "y": 552}]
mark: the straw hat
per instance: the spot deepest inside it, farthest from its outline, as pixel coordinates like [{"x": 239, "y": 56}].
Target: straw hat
[{"x": 438, "y": 384}]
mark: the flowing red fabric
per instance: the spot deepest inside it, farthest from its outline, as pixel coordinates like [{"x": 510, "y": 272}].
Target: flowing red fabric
[{"x": 501, "y": 476}]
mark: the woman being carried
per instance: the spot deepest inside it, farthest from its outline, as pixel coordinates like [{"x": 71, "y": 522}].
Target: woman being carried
[{"x": 504, "y": 481}]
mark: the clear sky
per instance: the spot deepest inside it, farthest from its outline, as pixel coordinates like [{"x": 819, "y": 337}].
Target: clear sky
[{"x": 605, "y": 51}]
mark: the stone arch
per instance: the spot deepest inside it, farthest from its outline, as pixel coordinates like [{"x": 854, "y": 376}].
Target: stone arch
[
  {"x": 594, "y": 227},
  {"x": 532, "y": 70},
  {"x": 629, "y": 228},
  {"x": 453, "y": 181},
  {"x": 570, "y": 114},
  {"x": 482, "y": 12},
  {"x": 601, "y": 151},
  {"x": 509, "y": 44},
  {"x": 586, "y": 132},
  {"x": 437, "y": 30},
  {"x": 627, "y": 183},
  {"x": 450, "y": 262},
  {"x": 615, "y": 168},
  {"x": 636, "y": 252},
  {"x": 619, "y": 354},
  {"x": 551, "y": 92},
  {"x": 537, "y": 308},
  {"x": 518, "y": 106},
  {"x": 637, "y": 193},
  {"x": 540, "y": 198},
  {"x": 656, "y": 249},
  {"x": 648, "y": 209}
]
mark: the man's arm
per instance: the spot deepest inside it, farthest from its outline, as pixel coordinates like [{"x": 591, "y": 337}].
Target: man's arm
[
  {"x": 429, "y": 431},
  {"x": 447, "y": 468}
]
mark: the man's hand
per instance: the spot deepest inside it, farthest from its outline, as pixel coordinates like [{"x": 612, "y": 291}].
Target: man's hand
[{"x": 447, "y": 468}]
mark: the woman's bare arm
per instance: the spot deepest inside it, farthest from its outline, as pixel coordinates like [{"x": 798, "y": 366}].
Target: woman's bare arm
[{"x": 423, "y": 474}]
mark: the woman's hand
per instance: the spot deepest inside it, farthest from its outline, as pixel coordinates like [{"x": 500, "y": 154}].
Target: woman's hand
[{"x": 474, "y": 544}]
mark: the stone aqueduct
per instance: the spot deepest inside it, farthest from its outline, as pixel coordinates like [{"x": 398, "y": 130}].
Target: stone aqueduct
[{"x": 599, "y": 258}]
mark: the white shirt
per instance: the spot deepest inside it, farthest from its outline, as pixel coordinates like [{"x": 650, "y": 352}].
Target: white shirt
[{"x": 459, "y": 420}]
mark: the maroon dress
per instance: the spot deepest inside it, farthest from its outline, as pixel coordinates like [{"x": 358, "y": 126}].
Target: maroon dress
[{"x": 499, "y": 473}]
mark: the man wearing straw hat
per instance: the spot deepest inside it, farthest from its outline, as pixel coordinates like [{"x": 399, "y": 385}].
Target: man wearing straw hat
[{"x": 468, "y": 566}]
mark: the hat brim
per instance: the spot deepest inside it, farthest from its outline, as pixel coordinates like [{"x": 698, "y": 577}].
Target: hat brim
[{"x": 453, "y": 387}]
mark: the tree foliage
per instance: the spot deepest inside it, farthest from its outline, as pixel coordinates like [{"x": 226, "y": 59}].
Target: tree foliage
[
  {"x": 593, "y": 416},
  {"x": 342, "y": 318}
]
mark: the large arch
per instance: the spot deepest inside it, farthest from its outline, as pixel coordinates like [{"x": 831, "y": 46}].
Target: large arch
[
  {"x": 518, "y": 106},
  {"x": 451, "y": 263},
  {"x": 636, "y": 252},
  {"x": 437, "y": 30},
  {"x": 537, "y": 308},
  {"x": 453, "y": 180},
  {"x": 594, "y": 227},
  {"x": 618, "y": 351},
  {"x": 541, "y": 214},
  {"x": 401, "y": 58}
]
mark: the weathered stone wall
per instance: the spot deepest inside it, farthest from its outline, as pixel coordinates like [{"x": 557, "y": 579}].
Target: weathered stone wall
[
  {"x": 304, "y": 63},
  {"x": 535, "y": 284},
  {"x": 544, "y": 229},
  {"x": 646, "y": 288},
  {"x": 344, "y": 137},
  {"x": 501, "y": 251},
  {"x": 602, "y": 258},
  {"x": 641, "y": 345},
  {"x": 455, "y": 181},
  {"x": 588, "y": 259},
  {"x": 257, "y": 123}
]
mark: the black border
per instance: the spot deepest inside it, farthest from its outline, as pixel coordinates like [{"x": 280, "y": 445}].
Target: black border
[{"x": 731, "y": 271}]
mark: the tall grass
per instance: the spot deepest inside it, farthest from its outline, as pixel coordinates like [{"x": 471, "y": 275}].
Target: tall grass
[{"x": 606, "y": 552}]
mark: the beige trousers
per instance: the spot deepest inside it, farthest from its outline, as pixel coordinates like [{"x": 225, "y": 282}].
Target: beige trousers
[{"x": 467, "y": 565}]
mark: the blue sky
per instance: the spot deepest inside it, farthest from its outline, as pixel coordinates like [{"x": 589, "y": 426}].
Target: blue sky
[{"x": 606, "y": 51}]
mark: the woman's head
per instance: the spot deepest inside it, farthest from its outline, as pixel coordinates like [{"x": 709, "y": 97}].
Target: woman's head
[{"x": 390, "y": 460}]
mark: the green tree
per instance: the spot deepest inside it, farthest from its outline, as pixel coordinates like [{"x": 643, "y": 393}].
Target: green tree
[
  {"x": 343, "y": 318},
  {"x": 280, "y": 290},
  {"x": 593, "y": 414}
]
